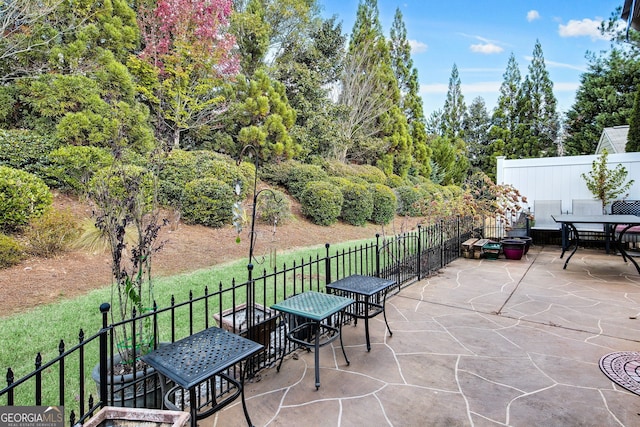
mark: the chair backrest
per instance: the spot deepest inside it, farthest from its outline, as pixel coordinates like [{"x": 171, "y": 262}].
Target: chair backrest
[
  {"x": 586, "y": 207},
  {"x": 542, "y": 210},
  {"x": 626, "y": 207}
]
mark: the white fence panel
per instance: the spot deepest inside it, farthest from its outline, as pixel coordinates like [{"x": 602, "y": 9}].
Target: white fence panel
[{"x": 559, "y": 178}]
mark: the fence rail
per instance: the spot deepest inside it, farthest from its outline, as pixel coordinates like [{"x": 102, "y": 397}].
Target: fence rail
[{"x": 404, "y": 258}]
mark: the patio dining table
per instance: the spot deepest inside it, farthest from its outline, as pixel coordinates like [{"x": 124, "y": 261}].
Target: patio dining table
[
  {"x": 364, "y": 288},
  {"x": 201, "y": 357},
  {"x": 316, "y": 308},
  {"x": 611, "y": 223}
]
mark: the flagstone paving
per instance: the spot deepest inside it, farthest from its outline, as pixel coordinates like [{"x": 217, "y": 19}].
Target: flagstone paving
[{"x": 481, "y": 343}]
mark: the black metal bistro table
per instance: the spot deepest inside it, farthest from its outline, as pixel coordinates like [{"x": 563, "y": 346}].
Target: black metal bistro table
[
  {"x": 199, "y": 358},
  {"x": 610, "y": 222},
  {"x": 363, "y": 288},
  {"x": 316, "y": 308}
]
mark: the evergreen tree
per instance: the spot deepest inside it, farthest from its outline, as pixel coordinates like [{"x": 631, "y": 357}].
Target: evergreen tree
[
  {"x": 252, "y": 34},
  {"x": 74, "y": 85},
  {"x": 476, "y": 131},
  {"x": 308, "y": 67},
  {"x": 410, "y": 102},
  {"x": 604, "y": 99},
  {"x": 450, "y": 160},
  {"x": 374, "y": 129},
  {"x": 539, "y": 123},
  {"x": 454, "y": 109},
  {"x": 633, "y": 138},
  {"x": 506, "y": 114}
]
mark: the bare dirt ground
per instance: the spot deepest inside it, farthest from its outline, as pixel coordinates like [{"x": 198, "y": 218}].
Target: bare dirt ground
[{"x": 38, "y": 281}]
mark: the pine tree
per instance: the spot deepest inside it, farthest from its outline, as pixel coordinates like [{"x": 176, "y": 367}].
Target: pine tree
[
  {"x": 605, "y": 98},
  {"x": 505, "y": 115},
  {"x": 410, "y": 102},
  {"x": 633, "y": 138},
  {"x": 539, "y": 123},
  {"x": 476, "y": 131},
  {"x": 454, "y": 109},
  {"x": 374, "y": 130}
]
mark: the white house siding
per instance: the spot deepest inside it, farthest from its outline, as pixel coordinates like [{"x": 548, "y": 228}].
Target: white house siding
[{"x": 553, "y": 178}]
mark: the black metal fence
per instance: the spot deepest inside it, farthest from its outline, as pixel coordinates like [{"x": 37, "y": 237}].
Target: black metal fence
[{"x": 74, "y": 380}]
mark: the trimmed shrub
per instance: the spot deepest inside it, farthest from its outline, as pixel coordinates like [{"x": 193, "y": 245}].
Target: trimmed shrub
[
  {"x": 357, "y": 205},
  {"x": 273, "y": 205},
  {"x": 207, "y": 201},
  {"x": 52, "y": 233},
  {"x": 23, "y": 196},
  {"x": 26, "y": 150},
  {"x": 385, "y": 204},
  {"x": 181, "y": 167},
  {"x": 292, "y": 175},
  {"x": 321, "y": 202},
  {"x": 301, "y": 174},
  {"x": 73, "y": 166},
  {"x": 218, "y": 166},
  {"x": 371, "y": 174},
  {"x": 409, "y": 199},
  {"x": 395, "y": 181},
  {"x": 10, "y": 251},
  {"x": 276, "y": 173},
  {"x": 176, "y": 170},
  {"x": 339, "y": 181}
]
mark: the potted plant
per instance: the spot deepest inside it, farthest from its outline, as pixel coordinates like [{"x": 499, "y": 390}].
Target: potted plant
[
  {"x": 606, "y": 184},
  {"x": 127, "y": 218}
]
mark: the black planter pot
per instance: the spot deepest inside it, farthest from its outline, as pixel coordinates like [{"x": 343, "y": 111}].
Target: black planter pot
[{"x": 145, "y": 394}]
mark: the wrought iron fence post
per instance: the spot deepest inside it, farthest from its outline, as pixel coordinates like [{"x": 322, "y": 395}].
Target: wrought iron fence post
[
  {"x": 419, "y": 253},
  {"x": 377, "y": 254},
  {"x": 458, "y": 237},
  {"x": 441, "y": 243},
  {"x": 104, "y": 309},
  {"x": 327, "y": 264}
]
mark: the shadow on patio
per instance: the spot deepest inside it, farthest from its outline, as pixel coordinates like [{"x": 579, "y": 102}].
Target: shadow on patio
[{"x": 483, "y": 343}]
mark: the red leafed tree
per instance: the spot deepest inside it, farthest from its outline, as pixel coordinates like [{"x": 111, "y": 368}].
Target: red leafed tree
[{"x": 188, "y": 47}]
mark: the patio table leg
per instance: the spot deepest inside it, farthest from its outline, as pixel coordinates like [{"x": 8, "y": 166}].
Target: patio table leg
[{"x": 317, "y": 355}]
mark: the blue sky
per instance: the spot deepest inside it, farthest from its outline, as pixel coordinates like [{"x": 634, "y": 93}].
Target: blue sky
[{"x": 479, "y": 36}]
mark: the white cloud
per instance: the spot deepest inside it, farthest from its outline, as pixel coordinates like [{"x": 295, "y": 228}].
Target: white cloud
[
  {"x": 554, "y": 64},
  {"x": 586, "y": 27},
  {"x": 532, "y": 15},
  {"x": 418, "y": 46},
  {"x": 485, "y": 48}
]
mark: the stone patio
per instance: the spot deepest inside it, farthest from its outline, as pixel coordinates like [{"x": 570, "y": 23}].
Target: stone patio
[{"x": 482, "y": 343}]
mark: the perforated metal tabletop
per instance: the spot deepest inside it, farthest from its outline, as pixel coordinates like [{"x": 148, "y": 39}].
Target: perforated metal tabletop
[
  {"x": 363, "y": 285},
  {"x": 313, "y": 305},
  {"x": 198, "y": 357}
]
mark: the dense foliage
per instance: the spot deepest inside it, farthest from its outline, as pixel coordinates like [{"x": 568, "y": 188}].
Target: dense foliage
[
  {"x": 23, "y": 197},
  {"x": 86, "y": 85},
  {"x": 321, "y": 202}
]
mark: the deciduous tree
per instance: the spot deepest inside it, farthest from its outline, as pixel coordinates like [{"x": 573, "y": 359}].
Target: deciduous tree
[{"x": 189, "y": 49}]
